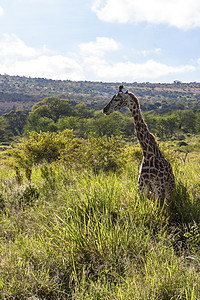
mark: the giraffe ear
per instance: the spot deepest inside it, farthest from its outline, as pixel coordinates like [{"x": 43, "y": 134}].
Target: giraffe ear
[
  {"x": 120, "y": 88},
  {"x": 126, "y": 92}
]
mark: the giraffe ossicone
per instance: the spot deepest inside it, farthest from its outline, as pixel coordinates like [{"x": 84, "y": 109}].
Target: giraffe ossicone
[{"x": 155, "y": 175}]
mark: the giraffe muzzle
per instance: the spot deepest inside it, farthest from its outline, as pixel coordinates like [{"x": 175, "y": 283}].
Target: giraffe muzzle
[{"x": 105, "y": 111}]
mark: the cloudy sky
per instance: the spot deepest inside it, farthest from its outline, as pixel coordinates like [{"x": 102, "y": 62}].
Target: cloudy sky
[{"x": 101, "y": 40}]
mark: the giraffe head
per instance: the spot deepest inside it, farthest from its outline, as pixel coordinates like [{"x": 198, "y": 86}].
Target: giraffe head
[{"x": 119, "y": 101}]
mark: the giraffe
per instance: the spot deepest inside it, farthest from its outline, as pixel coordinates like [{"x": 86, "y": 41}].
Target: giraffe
[{"x": 155, "y": 176}]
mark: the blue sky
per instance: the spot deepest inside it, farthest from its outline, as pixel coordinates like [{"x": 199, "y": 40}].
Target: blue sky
[{"x": 101, "y": 40}]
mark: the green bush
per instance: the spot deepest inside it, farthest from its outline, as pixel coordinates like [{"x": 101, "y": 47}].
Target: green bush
[
  {"x": 98, "y": 153},
  {"x": 103, "y": 153},
  {"x": 42, "y": 147},
  {"x": 72, "y": 233},
  {"x": 132, "y": 153}
]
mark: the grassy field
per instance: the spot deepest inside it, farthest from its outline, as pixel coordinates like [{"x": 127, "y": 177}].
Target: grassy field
[{"x": 71, "y": 233}]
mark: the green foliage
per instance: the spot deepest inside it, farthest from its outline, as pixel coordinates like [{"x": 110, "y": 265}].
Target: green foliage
[
  {"x": 16, "y": 121},
  {"x": 168, "y": 153},
  {"x": 38, "y": 124},
  {"x": 71, "y": 122},
  {"x": 72, "y": 223},
  {"x": 22, "y": 91},
  {"x": 183, "y": 208},
  {"x": 4, "y": 132},
  {"x": 41, "y": 147},
  {"x": 103, "y": 153},
  {"x": 52, "y": 108},
  {"x": 45, "y": 114},
  {"x": 113, "y": 124},
  {"x": 132, "y": 154},
  {"x": 188, "y": 120},
  {"x": 54, "y": 114},
  {"x": 197, "y": 124},
  {"x": 73, "y": 233},
  {"x": 26, "y": 197},
  {"x": 172, "y": 108},
  {"x": 163, "y": 125},
  {"x": 81, "y": 111},
  {"x": 30, "y": 194}
]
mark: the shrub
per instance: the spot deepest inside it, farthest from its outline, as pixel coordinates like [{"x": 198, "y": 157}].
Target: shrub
[
  {"x": 103, "y": 153},
  {"x": 132, "y": 153},
  {"x": 42, "y": 147},
  {"x": 98, "y": 153}
]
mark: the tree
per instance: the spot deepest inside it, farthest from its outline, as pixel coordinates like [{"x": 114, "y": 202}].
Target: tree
[
  {"x": 197, "y": 123},
  {"x": 16, "y": 121},
  {"x": 168, "y": 125},
  {"x": 43, "y": 146},
  {"x": 4, "y": 132},
  {"x": 82, "y": 111},
  {"x": 67, "y": 123},
  {"x": 188, "y": 120},
  {"x": 46, "y": 113},
  {"x": 152, "y": 122},
  {"x": 172, "y": 124},
  {"x": 52, "y": 108},
  {"x": 37, "y": 124},
  {"x": 113, "y": 124}
]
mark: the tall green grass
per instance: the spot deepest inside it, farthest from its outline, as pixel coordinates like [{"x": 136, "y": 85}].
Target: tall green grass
[{"x": 79, "y": 234}]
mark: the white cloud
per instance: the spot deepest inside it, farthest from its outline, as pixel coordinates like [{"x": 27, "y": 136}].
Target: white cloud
[
  {"x": 99, "y": 47},
  {"x": 12, "y": 46},
  {"x": 129, "y": 71},
  {"x": 182, "y": 14},
  {"x": 16, "y": 58},
  {"x": 94, "y": 60},
  {"x": 54, "y": 67}
]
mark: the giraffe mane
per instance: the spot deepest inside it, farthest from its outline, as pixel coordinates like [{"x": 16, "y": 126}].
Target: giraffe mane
[{"x": 135, "y": 99}]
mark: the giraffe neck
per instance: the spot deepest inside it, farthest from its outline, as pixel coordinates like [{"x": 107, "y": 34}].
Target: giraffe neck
[{"x": 146, "y": 139}]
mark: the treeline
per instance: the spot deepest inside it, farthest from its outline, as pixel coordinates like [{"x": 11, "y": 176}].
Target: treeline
[
  {"x": 22, "y": 93},
  {"x": 55, "y": 115}
]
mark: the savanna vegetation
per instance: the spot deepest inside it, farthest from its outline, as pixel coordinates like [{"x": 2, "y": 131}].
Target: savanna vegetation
[
  {"x": 55, "y": 115},
  {"x": 22, "y": 93},
  {"x": 72, "y": 225}
]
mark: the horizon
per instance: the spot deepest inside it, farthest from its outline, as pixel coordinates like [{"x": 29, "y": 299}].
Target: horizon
[{"x": 103, "y": 82}]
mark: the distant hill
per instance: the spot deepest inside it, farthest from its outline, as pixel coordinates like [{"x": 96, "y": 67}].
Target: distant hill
[{"x": 22, "y": 92}]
